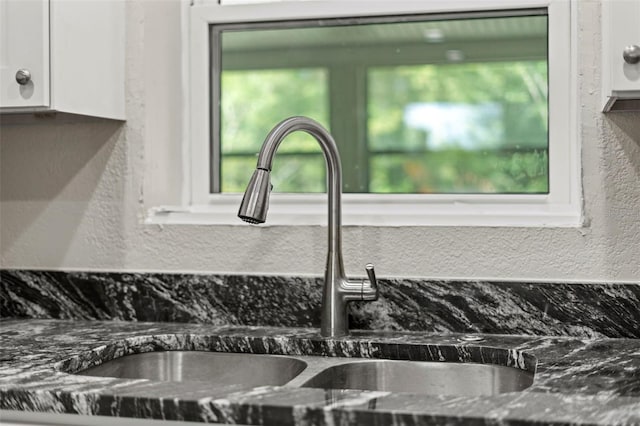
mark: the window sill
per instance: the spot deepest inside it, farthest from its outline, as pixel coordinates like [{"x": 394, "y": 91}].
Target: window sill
[{"x": 383, "y": 211}]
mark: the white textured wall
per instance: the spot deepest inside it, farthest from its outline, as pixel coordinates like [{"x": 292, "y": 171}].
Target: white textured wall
[{"x": 74, "y": 192}]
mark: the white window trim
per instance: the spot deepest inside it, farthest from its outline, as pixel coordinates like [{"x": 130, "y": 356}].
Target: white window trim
[{"x": 560, "y": 208}]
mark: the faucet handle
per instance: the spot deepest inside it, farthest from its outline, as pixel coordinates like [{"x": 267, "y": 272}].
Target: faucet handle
[
  {"x": 370, "y": 289},
  {"x": 371, "y": 273}
]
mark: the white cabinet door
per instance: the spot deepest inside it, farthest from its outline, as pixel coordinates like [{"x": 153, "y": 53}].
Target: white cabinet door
[
  {"x": 625, "y": 19},
  {"x": 621, "y": 28},
  {"x": 24, "y": 45}
]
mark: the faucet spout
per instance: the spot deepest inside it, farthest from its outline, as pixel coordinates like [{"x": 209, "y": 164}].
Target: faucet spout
[{"x": 338, "y": 290}]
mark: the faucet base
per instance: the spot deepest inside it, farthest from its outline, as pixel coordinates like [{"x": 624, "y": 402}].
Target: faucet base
[{"x": 333, "y": 333}]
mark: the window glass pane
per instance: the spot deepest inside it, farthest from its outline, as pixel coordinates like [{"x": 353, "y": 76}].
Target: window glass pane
[
  {"x": 298, "y": 173},
  {"x": 234, "y": 172},
  {"x": 252, "y": 102},
  {"x": 291, "y": 172},
  {"x": 470, "y": 128},
  {"x": 417, "y": 104},
  {"x": 460, "y": 171}
]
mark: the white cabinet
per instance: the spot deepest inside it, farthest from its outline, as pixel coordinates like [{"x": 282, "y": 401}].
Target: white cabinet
[
  {"x": 24, "y": 45},
  {"x": 621, "y": 79},
  {"x": 69, "y": 56}
]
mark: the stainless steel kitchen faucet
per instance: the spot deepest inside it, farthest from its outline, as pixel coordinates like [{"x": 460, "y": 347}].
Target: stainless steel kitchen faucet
[{"x": 338, "y": 289}]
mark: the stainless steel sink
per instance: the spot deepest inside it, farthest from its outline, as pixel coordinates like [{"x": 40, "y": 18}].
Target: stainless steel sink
[
  {"x": 431, "y": 378},
  {"x": 191, "y": 366},
  {"x": 250, "y": 370}
]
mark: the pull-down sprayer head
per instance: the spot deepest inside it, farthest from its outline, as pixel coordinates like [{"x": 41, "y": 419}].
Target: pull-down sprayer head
[{"x": 255, "y": 202}]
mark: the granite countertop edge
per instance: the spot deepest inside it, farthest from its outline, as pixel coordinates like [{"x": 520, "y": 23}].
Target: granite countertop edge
[{"x": 578, "y": 381}]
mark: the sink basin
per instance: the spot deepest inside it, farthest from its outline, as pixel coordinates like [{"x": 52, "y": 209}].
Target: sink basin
[
  {"x": 253, "y": 370},
  {"x": 192, "y": 366},
  {"x": 431, "y": 378}
]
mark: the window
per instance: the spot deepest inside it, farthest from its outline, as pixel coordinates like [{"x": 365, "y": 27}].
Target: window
[
  {"x": 431, "y": 104},
  {"x": 437, "y": 109}
]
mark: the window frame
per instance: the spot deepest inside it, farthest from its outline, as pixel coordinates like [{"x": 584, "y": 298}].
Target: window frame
[{"x": 560, "y": 208}]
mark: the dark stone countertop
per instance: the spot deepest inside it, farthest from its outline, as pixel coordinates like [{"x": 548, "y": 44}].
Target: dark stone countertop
[{"x": 578, "y": 381}]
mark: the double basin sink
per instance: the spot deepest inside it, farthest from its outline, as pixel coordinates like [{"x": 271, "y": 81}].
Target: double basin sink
[{"x": 252, "y": 370}]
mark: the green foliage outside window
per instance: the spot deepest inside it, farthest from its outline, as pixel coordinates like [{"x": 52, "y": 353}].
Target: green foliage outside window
[
  {"x": 511, "y": 158},
  {"x": 501, "y": 154},
  {"x": 252, "y": 103}
]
